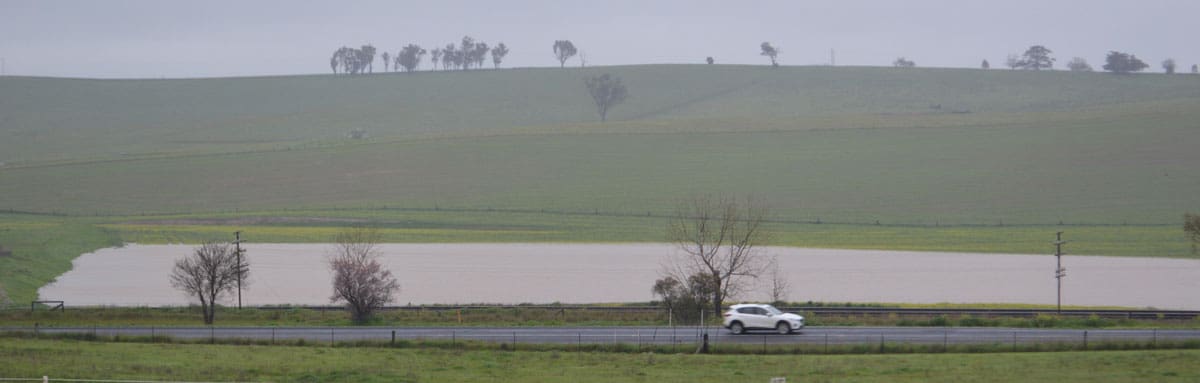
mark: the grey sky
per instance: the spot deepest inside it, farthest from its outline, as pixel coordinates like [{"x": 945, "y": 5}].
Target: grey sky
[{"x": 158, "y": 38}]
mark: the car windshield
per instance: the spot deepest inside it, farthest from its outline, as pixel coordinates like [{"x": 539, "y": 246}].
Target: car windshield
[{"x": 772, "y": 310}]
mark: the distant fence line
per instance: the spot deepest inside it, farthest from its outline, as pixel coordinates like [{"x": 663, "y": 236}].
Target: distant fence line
[{"x": 600, "y": 213}]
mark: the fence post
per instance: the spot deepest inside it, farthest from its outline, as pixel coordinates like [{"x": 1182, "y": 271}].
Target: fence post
[
  {"x": 1155, "y": 339},
  {"x": 514, "y": 341},
  {"x": 1085, "y": 347},
  {"x": 881, "y": 343},
  {"x": 1014, "y": 348},
  {"x": 826, "y": 343},
  {"x": 331, "y": 337},
  {"x": 212, "y": 334},
  {"x": 272, "y": 335},
  {"x": 393, "y": 337}
]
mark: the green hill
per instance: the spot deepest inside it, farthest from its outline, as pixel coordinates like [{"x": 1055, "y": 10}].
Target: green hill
[{"x": 923, "y": 146}]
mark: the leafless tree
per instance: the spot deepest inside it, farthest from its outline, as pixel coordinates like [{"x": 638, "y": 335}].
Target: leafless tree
[
  {"x": 359, "y": 279},
  {"x": 777, "y": 284},
  {"x": 718, "y": 237},
  {"x": 1191, "y": 226},
  {"x": 211, "y": 271}
]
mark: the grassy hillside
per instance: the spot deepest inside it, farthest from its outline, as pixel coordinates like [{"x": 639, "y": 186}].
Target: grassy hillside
[{"x": 925, "y": 147}]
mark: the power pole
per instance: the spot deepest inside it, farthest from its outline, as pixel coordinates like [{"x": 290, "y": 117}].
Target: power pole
[
  {"x": 1059, "y": 272},
  {"x": 237, "y": 243}
]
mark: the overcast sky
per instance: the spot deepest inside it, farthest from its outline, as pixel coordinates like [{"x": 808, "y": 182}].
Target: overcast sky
[{"x": 160, "y": 38}]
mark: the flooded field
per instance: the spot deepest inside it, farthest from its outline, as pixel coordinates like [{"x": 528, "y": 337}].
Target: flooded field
[{"x": 590, "y": 273}]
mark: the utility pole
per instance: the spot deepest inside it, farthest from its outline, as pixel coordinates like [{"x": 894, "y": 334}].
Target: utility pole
[
  {"x": 237, "y": 243},
  {"x": 1059, "y": 271}
]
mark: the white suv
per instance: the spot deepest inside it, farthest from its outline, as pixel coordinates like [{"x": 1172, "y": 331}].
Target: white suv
[{"x": 744, "y": 317}]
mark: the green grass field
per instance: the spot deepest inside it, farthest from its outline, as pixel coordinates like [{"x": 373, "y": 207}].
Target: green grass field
[
  {"x": 26, "y": 358},
  {"x": 883, "y": 158}
]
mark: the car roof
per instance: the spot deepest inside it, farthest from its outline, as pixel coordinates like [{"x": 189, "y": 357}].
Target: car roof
[{"x": 740, "y": 305}]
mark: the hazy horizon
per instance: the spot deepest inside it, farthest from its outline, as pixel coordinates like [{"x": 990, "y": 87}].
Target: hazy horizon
[{"x": 153, "y": 39}]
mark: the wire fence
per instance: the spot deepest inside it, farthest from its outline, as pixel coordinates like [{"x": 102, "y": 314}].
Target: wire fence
[{"x": 678, "y": 338}]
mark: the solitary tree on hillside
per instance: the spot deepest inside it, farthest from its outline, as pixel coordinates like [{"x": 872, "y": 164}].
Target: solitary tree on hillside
[
  {"x": 985, "y": 65},
  {"x": 1168, "y": 66},
  {"x": 607, "y": 91},
  {"x": 1078, "y": 64},
  {"x": 1195, "y": 68},
  {"x": 718, "y": 238},
  {"x": 212, "y": 270},
  {"x": 563, "y": 51},
  {"x": 1121, "y": 63},
  {"x": 1191, "y": 226},
  {"x": 386, "y": 60},
  {"x": 333, "y": 63},
  {"x": 359, "y": 279},
  {"x": 770, "y": 51},
  {"x": 709, "y": 60},
  {"x": 1037, "y": 57},
  {"x": 498, "y": 54}
]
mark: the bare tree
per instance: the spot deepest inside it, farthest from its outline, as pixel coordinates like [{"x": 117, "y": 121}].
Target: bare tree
[
  {"x": 777, "y": 283},
  {"x": 1191, "y": 226},
  {"x": 387, "y": 59},
  {"x": 211, "y": 271},
  {"x": 607, "y": 91},
  {"x": 563, "y": 50},
  {"x": 359, "y": 279},
  {"x": 718, "y": 238}
]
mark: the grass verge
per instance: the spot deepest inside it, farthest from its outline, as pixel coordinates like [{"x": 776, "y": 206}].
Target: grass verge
[{"x": 159, "y": 361}]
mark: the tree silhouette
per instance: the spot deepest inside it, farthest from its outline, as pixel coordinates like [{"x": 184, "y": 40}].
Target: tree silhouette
[
  {"x": 368, "y": 55},
  {"x": 985, "y": 65},
  {"x": 410, "y": 57},
  {"x": 386, "y": 60},
  {"x": 771, "y": 52},
  {"x": 498, "y": 54},
  {"x": 902, "y": 62},
  {"x": 1168, "y": 66},
  {"x": 1121, "y": 63},
  {"x": 564, "y": 50},
  {"x": 607, "y": 91},
  {"x": 1037, "y": 57},
  {"x": 1078, "y": 64},
  {"x": 709, "y": 60},
  {"x": 434, "y": 56}
]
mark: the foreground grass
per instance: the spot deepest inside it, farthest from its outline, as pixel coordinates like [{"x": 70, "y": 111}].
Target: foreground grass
[{"x": 91, "y": 360}]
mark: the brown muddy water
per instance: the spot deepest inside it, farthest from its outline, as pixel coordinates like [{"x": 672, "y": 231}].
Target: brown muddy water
[{"x": 136, "y": 275}]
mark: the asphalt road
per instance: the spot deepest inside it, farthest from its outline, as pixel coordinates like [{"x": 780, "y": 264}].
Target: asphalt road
[{"x": 646, "y": 335}]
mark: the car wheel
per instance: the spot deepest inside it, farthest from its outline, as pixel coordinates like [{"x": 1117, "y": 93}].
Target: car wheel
[
  {"x": 783, "y": 328},
  {"x": 736, "y": 328}
]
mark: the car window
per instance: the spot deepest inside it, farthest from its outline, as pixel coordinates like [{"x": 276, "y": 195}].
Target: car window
[
  {"x": 759, "y": 311},
  {"x": 746, "y": 310},
  {"x": 773, "y": 311}
]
